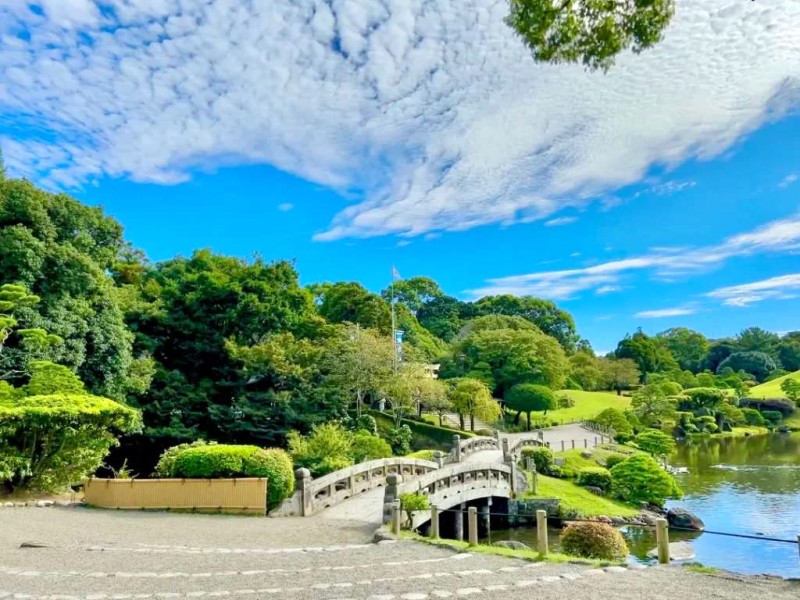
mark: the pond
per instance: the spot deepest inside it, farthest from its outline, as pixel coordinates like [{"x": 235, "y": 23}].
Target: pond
[{"x": 739, "y": 485}]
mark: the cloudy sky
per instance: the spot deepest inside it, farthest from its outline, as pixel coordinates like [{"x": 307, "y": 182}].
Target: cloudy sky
[{"x": 356, "y": 134}]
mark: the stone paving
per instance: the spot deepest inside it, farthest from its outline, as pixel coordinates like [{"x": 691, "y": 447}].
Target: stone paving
[{"x": 104, "y": 555}]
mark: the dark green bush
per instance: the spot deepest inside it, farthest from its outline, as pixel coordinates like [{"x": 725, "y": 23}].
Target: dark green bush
[
  {"x": 594, "y": 540},
  {"x": 614, "y": 459},
  {"x": 166, "y": 464},
  {"x": 542, "y": 458},
  {"x": 565, "y": 402},
  {"x": 484, "y": 432},
  {"x": 595, "y": 477},
  {"x": 220, "y": 461},
  {"x": 369, "y": 447},
  {"x": 641, "y": 479},
  {"x": 753, "y": 417},
  {"x": 772, "y": 417},
  {"x": 784, "y": 405}
]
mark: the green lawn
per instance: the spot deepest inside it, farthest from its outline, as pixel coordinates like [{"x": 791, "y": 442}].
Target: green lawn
[
  {"x": 575, "y": 498},
  {"x": 772, "y": 389},
  {"x": 588, "y": 405},
  {"x": 573, "y": 459}
]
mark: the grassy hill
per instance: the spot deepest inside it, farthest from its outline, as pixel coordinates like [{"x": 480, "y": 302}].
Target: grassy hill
[
  {"x": 588, "y": 404},
  {"x": 772, "y": 389}
]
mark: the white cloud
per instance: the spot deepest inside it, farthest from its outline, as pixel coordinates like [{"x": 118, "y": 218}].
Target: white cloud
[
  {"x": 787, "y": 181},
  {"x": 665, "y": 312},
  {"x": 560, "y": 221},
  {"x": 285, "y": 207},
  {"x": 433, "y": 113},
  {"x": 777, "y": 236},
  {"x": 667, "y": 188},
  {"x": 607, "y": 289},
  {"x": 783, "y": 287}
]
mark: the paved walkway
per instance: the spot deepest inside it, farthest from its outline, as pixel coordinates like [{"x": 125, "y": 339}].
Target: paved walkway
[{"x": 103, "y": 555}]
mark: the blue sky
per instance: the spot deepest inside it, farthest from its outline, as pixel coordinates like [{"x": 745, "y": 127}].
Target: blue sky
[{"x": 664, "y": 193}]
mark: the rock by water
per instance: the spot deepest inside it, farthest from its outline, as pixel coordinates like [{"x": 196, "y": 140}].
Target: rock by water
[
  {"x": 512, "y": 545},
  {"x": 680, "y": 518},
  {"x": 677, "y": 551}
]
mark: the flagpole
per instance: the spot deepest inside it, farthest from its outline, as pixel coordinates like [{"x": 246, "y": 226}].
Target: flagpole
[{"x": 394, "y": 322}]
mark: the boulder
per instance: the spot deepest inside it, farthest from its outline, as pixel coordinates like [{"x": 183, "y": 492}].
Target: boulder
[
  {"x": 677, "y": 551},
  {"x": 511, "y": 545},
  {"x": 680, "y": 518},
  {"x": 595, "y": 490},
  {"x": 587, "y": 454},
  {"x": 605, "y": 519}
]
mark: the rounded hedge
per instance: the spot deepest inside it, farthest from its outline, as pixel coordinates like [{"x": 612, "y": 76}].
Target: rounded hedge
[
  {"x": 641, "y": 479},
  {"x": 614, "y": 459},
  {"x": 219, "y": 461},
  {"x": 594, "y": 540},
  {"x": 595, "y": 477},
  {"x": 542, "y": 458}
]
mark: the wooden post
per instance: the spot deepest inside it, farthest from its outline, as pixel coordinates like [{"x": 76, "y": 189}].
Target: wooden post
[
  {"x": 535, "y": 480},
  {"x": 585, "y": 443},
  {"x": 562, "y": 445},
  {"x": 472, "y": 526},
  {"x": 573, "y": 444},
  {"x": 396, "y": 517},
  {"x": 662, "y": 541},
  {"x": 434, "y": 522},
  {"x": 541, "y": 532}
]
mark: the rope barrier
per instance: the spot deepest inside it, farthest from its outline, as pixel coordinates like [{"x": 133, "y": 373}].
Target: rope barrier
[{"x": 639, "y": 525}]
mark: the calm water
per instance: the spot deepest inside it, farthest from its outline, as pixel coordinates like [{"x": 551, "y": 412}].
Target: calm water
[{"x": 744, "y": 485}]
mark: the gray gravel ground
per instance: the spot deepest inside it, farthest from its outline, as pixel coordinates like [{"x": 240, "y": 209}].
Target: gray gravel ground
[{"x": 96, "y": 555}]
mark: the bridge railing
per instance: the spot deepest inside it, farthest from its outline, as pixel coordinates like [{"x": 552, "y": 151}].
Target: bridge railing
[
  {"x": 313, "y": 495},
  {"x": 463, "y": 448},
  {"x": 512, "y": 450},
  {"x": 456, "y": 484}
]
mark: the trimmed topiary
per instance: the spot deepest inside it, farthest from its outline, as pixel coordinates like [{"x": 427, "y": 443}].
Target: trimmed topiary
[
  {"x": 595, "y": 477},
  {"x": 219, "y": 461},
  {"x": 641, "y": 479},
  {"x": 594, "y": 540},
  {"x": 542, "y": 458},
  {"x": 613, "y": 460}
]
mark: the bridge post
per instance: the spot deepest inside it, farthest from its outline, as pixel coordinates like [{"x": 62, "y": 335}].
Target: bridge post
[
  {"x": 438, "y": 458},
  {"x": 434, "y": 522},
  {"x": 585, "y": 443},
  {"x": 392, "y": 494},
  {"x": 396, "y": 514},
  {"x": 302, "y": 484},
  {"x": 457, "y": 448},
  {"x": 512, "y": 464},
  {"x": 505, "y": 447},
  {"x": 472, "y": 526},
  {"x": 662, "y": 541},
  {"x": 459, "y": 522},
  {"x": 573, "y": 444},
  {"x": 562, "y": 445},
  {"x": 541, "y": 532}
]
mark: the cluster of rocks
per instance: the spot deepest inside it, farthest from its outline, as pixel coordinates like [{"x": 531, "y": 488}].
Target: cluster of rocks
[{"x": 677, "y": 518}]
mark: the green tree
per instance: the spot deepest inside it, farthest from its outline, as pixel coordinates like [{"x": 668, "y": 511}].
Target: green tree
[
  {"x": 615, "y": 418},
  {"x": 791, "y": 387},
  {"x": 444, "y": 316},
  {"x": 619, "y": 373},
  {"x": 471, "y": 398},
  {"x": 655, "y": 443},
  {"x": 529, "y": 397},
  {"x": 62, "y": 252},
  {"x": 755, "y": 339},
  {"x": 591, "y": 33},
  {"x": 414, "y": 293},
  {"x": 759, "y": 364},
  {"x": 688, "y": 347},
  {"x": 511, "y": 351},
  {"x": 586, "y": 371},
  {"x": 353, "y": 303},
  {"x": 641, "y": 479},
  {"x": 650, "y": 354},
  {"x": 702, "y": 401},
  {"x": 545, "y": 314},
  {"x": 652, "y": 404},
  {"x": 409, "y": 388}
]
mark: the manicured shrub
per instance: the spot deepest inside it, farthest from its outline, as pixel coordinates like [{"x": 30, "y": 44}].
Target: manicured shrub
[
  {"x": 542, "y": 458},
  {"x": 400, "y": 439},
  {"x": 595, "y": 477},
  {"x": 594, "y": 540},
  {"x": 614, "y": 460},
  {"x": 772, "y": 417},
  {"x": 484, "y": 432},
  {"x": 784, "y": 405},
  {"x": 753, "y": 417},
  {"x": 369, "y": 447},
  {"x": 641, "y": 479},
  {"x": 565, "y": 402},
  {"x": 615, "y": 418},
  {"x": 327, "y": 446},
  {"x": 49, "y": 442},
  {"x": 422, "y": 454},
  {"x": 655, "y": 443},
  {"x": 222, "y": 460},
  {"x": 166, "y": 463}
]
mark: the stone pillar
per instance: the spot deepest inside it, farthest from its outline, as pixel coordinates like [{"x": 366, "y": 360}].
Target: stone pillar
[
  {"x": 391, "y": 493},
  {"x": 573, "y": 444},
  {"x": 302, "y": 485},
  {"x": 438, "y": 458},
  {"x": 541, "y": 435},
  {"x": 472, "y": 526},
  {"x": 434, "y": 522},
  {"x": 457, "y": 448},
  {"x": 460, "y": 522},
  {"x": 562, "y": 445},
  {"x": 505, "y": 447},
  {"x": 486, "y": 517},
  {"x": 513, "y": 465},
  {"x": 585, "y": 443},
  {"x": 541, "y": 532}
]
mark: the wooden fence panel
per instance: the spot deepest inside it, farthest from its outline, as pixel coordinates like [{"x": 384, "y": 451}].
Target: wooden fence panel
[{"x": 247, "y": 495}]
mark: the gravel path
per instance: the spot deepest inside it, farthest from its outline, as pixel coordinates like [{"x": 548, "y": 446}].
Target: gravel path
[{"x": 94, "y": 555}]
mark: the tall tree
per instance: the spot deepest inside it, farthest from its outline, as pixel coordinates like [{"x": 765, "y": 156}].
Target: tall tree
[
  {"x": 62, "y": 252},
  {"x": 413, "y": 293},
  {"x": 471, "y": 398},
  {"x": 591, "y": 33},
  {"x": 352, "y": 303},
  {"x": 688, "y": 347},
  {"x": 650, "y": 354},
  {"x": 545, "y": 314},
  {"x": 444, "y": 316},
  {"x": 620, "y": 373},
  {"x": 755, "y": 339},
  {"x": 789, "y": 351},
  {"x": 529, "y": 397}
]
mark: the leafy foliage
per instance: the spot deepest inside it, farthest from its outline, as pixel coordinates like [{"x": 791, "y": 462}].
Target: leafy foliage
[
  {"x": 655, "y": 443},
  {"x": 472, "y": 398},
  {"x": 542, "y": 458},
  {"x": 759, "y": 364},
  {"x": 594, "y": 540},
  {"x": 641, "y": 479},
  {"x": 412, "y": 503},
  {"x": 615, "y": 418},
  {"x": 595, "y": 477},
  {"x": 330, "y": 447},
  {"x": 50, "y": 441},
  {"x": 529, "y": 397}
]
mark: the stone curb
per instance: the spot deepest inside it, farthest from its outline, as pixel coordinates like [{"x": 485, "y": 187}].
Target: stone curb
[{"x": 40, "y": 504}]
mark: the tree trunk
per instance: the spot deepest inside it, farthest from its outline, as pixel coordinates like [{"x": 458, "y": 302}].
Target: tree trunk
[
  {"x": 516, "y": 419},
  {"x": 529, "y": 421},
  {"x": 472, "y": 422},
  {"x": 441, "y": 420},
  {"x": 461, "y": 421}
]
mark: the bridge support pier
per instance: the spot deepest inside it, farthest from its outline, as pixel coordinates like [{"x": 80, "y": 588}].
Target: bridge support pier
[
  {"x": 486, "y": 517},
  {"x": 459, "y": 522}
]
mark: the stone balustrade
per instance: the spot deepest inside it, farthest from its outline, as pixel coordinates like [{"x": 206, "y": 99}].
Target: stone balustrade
[
  {"x": 463, "y": 448},
  {"x": 313, "y": 495},
  {"x": 513, "y": 448}
]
